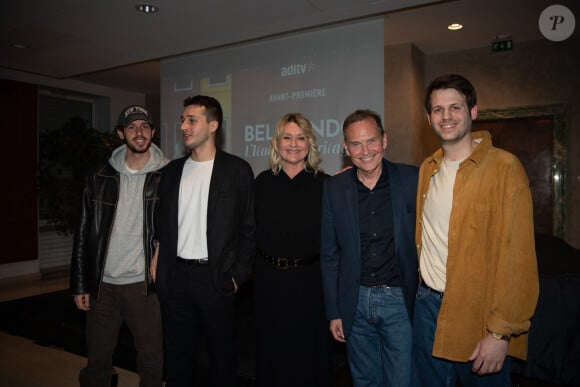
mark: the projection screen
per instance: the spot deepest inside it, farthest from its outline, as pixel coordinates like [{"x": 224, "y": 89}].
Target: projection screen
[{"x": 324, "y": 73}]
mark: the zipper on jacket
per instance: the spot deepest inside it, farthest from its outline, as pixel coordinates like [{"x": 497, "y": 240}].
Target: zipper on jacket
[
  {"x": 148, "y": 178},
  {"x": 116, "y": 177}
]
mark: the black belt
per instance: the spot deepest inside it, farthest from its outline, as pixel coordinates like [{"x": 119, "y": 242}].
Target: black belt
[
  {"x": 431, "y": 290},
  {"x": 193, "y": 262},
  {"x": 282, "y": 263},
  {"x": 379, "y": 286}
]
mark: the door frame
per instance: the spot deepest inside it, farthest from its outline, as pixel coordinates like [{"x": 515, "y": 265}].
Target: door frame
[{"x": 559, "y": 168}]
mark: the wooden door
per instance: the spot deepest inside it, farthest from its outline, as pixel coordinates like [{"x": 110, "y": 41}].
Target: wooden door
[
  {"x": 531, "y": 139},
  {"x": 19, "y": 209}
]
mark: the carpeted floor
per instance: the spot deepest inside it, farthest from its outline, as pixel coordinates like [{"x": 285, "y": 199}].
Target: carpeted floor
[{"x": 53, "y": 320}]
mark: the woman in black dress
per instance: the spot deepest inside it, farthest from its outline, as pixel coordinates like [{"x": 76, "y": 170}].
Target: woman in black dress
[{"x": 293, "y": 341}]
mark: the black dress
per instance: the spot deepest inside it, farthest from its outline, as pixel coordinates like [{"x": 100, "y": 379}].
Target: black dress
[{"x": 293, "y": 340}]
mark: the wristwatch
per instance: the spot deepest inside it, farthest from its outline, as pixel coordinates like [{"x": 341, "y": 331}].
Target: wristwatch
[{"x": 498, "y": 336}]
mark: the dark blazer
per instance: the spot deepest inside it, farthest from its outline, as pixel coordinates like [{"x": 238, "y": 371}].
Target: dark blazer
[
  {"x": 340, "y": 240},
  {"x": 230, "y": 222}
]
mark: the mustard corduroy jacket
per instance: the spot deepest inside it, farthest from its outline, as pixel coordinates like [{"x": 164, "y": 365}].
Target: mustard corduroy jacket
[{"x": 492, "y": 275}]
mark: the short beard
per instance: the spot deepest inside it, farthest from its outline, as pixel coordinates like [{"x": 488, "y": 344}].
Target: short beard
[{"x": 139, "y": 151}]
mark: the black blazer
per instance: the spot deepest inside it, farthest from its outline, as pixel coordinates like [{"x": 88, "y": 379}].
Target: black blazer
[
  {"x": 340, "y": 240},
  {"x": 230, "y": 222}
]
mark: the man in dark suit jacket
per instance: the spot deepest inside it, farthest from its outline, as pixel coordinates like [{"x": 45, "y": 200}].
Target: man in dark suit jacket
[
  {"x": 206, "y": 247},
  {"x": 368, "y": 256}
]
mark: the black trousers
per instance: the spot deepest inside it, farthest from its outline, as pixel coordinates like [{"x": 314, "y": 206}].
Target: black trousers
[
  {"x": 141, "y": 313},
  {"x": 292, "y": 336},
  {"x": 194, "y": 308}
]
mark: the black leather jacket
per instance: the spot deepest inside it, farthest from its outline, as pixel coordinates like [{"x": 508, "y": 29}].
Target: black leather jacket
[{"x": 97, "y": 212}]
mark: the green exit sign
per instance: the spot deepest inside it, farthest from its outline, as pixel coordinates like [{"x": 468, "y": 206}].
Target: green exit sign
[{"x": 502, "y": 45}]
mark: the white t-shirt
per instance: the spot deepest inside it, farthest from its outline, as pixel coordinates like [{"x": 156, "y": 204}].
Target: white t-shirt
[{"x": 192, "y": 214}]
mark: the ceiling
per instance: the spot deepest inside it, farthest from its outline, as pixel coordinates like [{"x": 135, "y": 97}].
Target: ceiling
[{"x": 107, "y": 42}]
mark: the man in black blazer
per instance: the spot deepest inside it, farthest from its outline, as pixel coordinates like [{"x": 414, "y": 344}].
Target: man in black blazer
[
  {"x": 206, "y": 246},
  {"x": 368, "y": 256}
]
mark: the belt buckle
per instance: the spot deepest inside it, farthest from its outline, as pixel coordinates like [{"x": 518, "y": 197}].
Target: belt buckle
[{"x": 282, "y": 264}]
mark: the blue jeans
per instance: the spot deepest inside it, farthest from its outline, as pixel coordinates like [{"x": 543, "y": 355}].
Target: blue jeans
[
  {"x": 429, "y": 371},
  {"x": 379, "y": 344}
]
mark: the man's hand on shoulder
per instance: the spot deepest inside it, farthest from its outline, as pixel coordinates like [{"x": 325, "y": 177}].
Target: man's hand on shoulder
[{"x": 343, "y": 170}]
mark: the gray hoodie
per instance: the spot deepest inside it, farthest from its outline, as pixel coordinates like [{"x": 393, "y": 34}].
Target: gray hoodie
[{"x": 125, "y": 261}]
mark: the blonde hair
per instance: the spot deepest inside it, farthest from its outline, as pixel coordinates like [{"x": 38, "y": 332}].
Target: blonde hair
[{"x": 312, "y": 160}]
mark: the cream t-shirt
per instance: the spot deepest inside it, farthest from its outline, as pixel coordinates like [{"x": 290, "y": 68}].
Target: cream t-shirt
[{"x": 435, "y": 223}]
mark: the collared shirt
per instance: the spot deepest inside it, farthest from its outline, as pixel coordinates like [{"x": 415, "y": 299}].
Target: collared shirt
[
  {"x": 378, "y": 261},
  {"x": 491, "y": 270}
]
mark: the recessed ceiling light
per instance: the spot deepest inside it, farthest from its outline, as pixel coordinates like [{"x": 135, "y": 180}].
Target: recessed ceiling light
[
  {"x": 455, "y": 26},
  {"x": 147, "y": 8}
]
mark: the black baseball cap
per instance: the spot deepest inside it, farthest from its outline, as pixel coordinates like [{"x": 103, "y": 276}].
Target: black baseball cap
[{"x": 133, "y": 113}]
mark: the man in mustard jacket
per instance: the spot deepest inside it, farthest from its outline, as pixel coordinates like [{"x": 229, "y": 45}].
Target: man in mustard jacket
[{"x": 475, "y": 240}]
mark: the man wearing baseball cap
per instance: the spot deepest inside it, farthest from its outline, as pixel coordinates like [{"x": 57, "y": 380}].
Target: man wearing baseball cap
[{"x": 112, "y": 252}]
